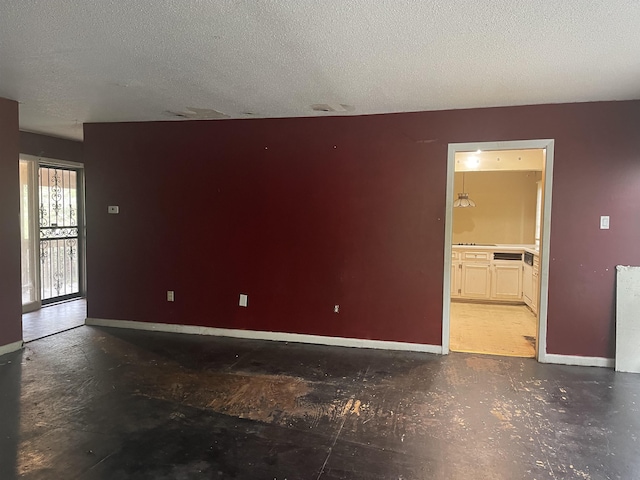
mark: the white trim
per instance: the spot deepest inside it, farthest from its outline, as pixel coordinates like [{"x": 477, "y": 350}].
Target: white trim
[
  {"x": 548, "y": 146},
  {"x": 52, "y": 162},
  {"x": 259, "y": 335},
  {"x": 34, "y": 230},
  {"x": 48, "y": 162},
  {"x": 11, "y": 347},
  {"x": 581, "y": 361},
  {"x": 545, "y": 242},
  {"x": 448, "y": 239}
]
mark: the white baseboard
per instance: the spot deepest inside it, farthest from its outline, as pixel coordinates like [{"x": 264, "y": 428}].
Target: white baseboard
[
  {"x": 580, "y": 361},
  {"x": 11, "y": 347},
  {"x": 259, "y": 335}
]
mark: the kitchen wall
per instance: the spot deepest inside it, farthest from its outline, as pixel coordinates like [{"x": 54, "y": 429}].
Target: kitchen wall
[
  {"x": 305, "y": 213},
  {"x": 505, "y": 210},
  {"x": 10, "y": 283}
]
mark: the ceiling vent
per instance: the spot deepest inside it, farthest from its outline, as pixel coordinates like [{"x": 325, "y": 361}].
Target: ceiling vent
[
  {"x": 332, "y": 107},
  {"x": 193, "y": 113}
]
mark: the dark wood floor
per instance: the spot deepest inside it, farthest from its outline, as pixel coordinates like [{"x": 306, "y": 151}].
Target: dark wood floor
[
  {"x": 53, "y": 319},
  {"x": 97, "y": 403}
]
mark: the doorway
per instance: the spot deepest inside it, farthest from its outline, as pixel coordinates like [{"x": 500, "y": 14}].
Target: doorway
[
  {"x": 52, "y": 244},
  {"x": 493, "y": 302}
]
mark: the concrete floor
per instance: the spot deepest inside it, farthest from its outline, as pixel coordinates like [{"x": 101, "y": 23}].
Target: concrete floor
[
  {"x": 52, "y": 319},
  {"x": 97, "y": 403}
]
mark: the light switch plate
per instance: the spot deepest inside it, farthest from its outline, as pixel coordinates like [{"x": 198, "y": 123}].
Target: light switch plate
[
  {"x": 113, "y": 209},
  {"x": 244, "y": 300},
  {"x": 171, "y": 296},
  {"x": 604, "y": 222}
]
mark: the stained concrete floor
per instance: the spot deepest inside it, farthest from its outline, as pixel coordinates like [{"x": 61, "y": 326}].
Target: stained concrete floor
[{"x": 97, "y": 403}]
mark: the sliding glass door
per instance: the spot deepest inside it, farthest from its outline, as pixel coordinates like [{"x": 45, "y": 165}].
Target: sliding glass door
[
  {"x": 51, "y": 216},
  {"x": 59, "y": 233}
]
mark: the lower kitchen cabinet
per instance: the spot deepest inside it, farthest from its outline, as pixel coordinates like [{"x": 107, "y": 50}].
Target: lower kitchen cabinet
[
  {"x": 456, "y": 277},
  {"x": 494, "y": 275},
  {"x": 506, "y": 281},
  {"x": 536, "y": 289},
  {"x": 476, "y": 280},
  {"x": 527, "y": 285}
]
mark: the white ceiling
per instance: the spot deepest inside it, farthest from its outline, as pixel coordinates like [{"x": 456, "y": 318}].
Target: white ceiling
[{"x": 75, "y": 61}]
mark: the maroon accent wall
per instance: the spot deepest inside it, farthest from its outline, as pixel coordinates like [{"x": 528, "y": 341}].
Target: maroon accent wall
[
  {"x": 305, "y": 213},
  {"x": 10, "y": 290},
  {"x": 50, "y": 147}
]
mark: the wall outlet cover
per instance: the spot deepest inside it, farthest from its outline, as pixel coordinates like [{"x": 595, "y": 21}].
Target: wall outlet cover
[{"x": 244, "y": 300}]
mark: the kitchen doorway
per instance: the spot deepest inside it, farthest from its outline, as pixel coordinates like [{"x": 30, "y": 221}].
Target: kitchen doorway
[{"x": 496, "y": 255}]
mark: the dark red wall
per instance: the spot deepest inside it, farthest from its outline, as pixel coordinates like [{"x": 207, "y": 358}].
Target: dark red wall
[
  {"x": 10, "y": 290},
  {"x": 50, "y": 147},
  {"x": 302, "y": 214}
]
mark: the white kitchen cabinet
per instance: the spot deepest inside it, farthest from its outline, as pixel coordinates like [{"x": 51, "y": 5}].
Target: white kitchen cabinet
[
  {"x": 492, "y": 274},
  {"x": 456, "y": 275},
  {"x": 536, "y": 284},
  {"x": 527, "y": 285},
  {"x": 476, "y": 280},
  {"x": 475, "y": 256},
  {"x": 506, "y": 281}
]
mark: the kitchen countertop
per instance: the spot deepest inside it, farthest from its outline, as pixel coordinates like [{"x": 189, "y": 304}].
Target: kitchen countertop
[{"x": 501, "y": 247}]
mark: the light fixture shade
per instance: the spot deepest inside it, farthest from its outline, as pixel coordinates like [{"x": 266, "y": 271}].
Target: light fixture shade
[
  {"x": 463, "y": 201},
  {"x": 463, "y": 198}
]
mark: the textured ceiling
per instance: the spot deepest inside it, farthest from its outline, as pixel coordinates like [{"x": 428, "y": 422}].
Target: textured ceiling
[{"x": 75, "y": 61}]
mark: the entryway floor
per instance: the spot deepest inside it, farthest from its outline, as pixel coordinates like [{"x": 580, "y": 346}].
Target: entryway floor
[
  {"x": 492, "y": 329},
  {"x": 53, "y": 319},
  {"x": 96, "y": 403}
]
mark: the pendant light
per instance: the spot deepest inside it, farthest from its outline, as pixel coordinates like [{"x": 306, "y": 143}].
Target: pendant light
[{"x": 463, "y": 198}]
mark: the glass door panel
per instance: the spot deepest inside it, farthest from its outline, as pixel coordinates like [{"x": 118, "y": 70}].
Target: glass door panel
[{"x": 59, "y": 234}]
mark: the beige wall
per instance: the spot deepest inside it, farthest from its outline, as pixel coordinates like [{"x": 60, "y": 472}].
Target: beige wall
[{"x": 505, "y": 209}]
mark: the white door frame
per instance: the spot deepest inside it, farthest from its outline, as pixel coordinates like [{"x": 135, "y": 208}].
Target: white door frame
[
  {"x": 79, "y": 167},
  {"x": 546, "y": 144},
  {"x": 34, "y": 231}
]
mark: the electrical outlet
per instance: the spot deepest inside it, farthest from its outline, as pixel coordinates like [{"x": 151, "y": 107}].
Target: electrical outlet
[
  {"x": 336, "y": 309},
  {"x": 244, "y": 300},
  {"x": 171, "y": 296},
  {"x": 604, "y": 222}
]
